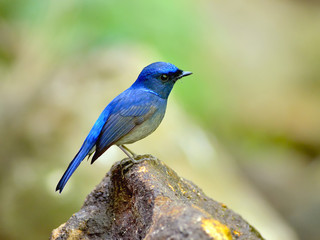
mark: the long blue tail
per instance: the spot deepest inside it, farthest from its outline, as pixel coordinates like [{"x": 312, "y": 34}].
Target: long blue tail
[
  {"x": 85, "y": 149},
  {"x": 83, "y": 152}
]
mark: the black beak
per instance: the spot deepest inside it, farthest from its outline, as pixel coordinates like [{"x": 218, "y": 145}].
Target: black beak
[{"x": 183, "y": 74}]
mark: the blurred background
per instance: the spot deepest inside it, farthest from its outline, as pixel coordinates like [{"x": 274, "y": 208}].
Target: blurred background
[{"x": 245, "y": 127}]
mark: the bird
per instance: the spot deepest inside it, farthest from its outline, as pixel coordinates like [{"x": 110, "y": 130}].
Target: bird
[{"x": 131, "y": 116}]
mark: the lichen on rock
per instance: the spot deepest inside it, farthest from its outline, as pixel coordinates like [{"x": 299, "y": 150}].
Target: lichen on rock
[{"x": 150, "y": 201}]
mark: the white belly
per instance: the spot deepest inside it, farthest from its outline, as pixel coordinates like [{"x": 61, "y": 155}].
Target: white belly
[{"x": 142, "y": 130}]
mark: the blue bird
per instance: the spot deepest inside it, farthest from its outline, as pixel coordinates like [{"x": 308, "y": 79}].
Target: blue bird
[{"x": 129, "y": 117}]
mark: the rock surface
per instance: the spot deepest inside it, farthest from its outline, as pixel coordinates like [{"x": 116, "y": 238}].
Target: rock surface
[{"x": 150, "y": 201}]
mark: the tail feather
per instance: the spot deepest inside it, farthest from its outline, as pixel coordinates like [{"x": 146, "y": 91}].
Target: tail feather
[{"x": 83, "y": 152}]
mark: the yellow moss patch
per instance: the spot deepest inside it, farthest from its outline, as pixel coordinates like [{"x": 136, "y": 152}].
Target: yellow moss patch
[
  {"x": 216, "y": 229},
  {"x": 142, "y": 169},
  {"x": 237, "y": 233},
  {"x": 223, "y": 205},
  {"x": 171, "y": 187},
  {"x": 181, "y": 189},
  {"x": 74, "y": 234},
  {"x": 57, "y": 232}
]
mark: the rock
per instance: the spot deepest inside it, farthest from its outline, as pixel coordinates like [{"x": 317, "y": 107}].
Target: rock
[{"x": 150, "y": 201}]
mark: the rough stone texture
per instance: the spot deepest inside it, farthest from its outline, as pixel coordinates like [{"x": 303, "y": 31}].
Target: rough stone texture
[{"x": 150, "y": 201}]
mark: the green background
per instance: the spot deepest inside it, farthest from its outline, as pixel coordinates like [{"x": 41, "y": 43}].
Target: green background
[{"x": 252, "y": 104}]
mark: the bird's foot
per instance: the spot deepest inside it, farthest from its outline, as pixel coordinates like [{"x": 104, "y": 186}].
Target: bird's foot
[{"x": 129, "y": 162}]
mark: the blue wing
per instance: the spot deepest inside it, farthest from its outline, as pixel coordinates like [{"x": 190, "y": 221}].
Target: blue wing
[{"x": 129, "y": 112}]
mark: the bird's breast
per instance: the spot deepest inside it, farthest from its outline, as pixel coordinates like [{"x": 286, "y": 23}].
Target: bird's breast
[{"x": 144, "y": 128}]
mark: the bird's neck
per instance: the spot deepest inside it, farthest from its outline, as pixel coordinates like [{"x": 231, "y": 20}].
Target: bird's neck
[
  {"x": 162, "y": 93},
  {"x": 152, "y": 92}
]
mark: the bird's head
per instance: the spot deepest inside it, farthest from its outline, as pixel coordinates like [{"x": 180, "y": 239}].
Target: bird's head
[{"x": 160, "y": 77}]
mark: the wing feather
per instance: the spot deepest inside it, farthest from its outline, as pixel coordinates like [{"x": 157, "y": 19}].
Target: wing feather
[{"x": 126, "y": 115}]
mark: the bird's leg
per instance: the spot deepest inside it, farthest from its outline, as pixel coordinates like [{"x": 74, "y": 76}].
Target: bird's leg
[
  {"x": 132, "y": 153},
  {"x": 127, "y": 151},
  {"x": 129, "y": 163},
  {"x": 132, "y": 158}
]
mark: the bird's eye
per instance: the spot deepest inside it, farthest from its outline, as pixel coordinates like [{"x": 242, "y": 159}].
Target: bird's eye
[{"x": 164, "y": 77}]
